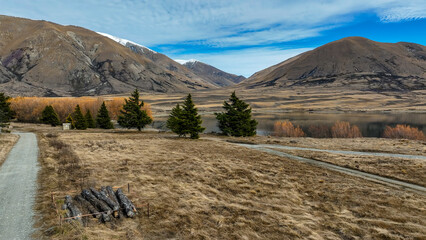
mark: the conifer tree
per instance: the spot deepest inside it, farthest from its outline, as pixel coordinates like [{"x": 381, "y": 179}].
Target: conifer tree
[
  {"x": 236, "y": 120},
  {"x": 7, "y": 112},
  {"x": 70, "y": 120},
  {"x": 89, "y": 119},
  {"x": 185, "y": 120},
  {"x": 103, "y": 120},
  {"x": 175, "y": 121},
  {"x": 78, "y": 119},
  {"x": 49, "y": 116},
  {"x": 132, "y": 116}
]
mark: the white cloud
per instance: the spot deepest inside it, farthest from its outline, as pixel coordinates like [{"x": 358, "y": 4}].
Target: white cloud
[
  {"x": 248, "y": 61},
  {"x": 214, "y": 22}
]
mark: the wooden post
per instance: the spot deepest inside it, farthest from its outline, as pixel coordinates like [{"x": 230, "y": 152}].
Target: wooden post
[
  {"x": 128, "y": 187},
  {"x": 148, "y": 209}
]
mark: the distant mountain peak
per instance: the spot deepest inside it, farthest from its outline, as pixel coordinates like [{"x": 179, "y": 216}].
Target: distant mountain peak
[{"x": 123, "y": 41}]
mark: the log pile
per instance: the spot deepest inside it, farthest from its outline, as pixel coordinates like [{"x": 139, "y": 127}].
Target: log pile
[{"x": 104, "y": 205}]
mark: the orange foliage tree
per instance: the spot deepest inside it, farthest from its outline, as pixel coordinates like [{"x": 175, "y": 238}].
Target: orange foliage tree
[
  {"x": 28, "y": 109},
  {"x": 287, "y": 129},
  {"x": 343, "y": 129},
  {"x": 403, "y": 131}
]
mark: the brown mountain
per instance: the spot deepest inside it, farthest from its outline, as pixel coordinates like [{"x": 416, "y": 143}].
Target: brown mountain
[
  {"x": 354, "y": 62},
  {"x": 192, "y": 68},
  {"x": 212, "y": 74},
  {"x": 46, "y": 59}
]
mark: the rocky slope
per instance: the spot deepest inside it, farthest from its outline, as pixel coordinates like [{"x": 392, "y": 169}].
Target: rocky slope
[
  {"x": 212, "y": 74},
  {"x": 354, "y": 63},
  {"x": 40, "y": 58}
]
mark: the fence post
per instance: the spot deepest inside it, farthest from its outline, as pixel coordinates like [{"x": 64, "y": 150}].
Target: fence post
[{"x": 128, "y": 187}]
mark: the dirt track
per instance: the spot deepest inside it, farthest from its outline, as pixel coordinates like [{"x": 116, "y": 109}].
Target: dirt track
[
  {"x": 18, "y": 176},
  {"x": 372, "y": 177}
]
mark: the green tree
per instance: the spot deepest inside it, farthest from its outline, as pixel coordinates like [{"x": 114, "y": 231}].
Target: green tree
[
  {"x": 185, "y": 120},
  {"x": 103, "y": 120},
  {"x": 132, "y": 116},
  {"x": 175, "y": 121},
  {"x": 70, "y": 120},
  {"x": 49, "y": 116},
  {"x": 7, "y": 112},
  {"x": 236, "y": 120},
  {"x": 89, "y": 119},
  {"x": 78, "y": 119}
]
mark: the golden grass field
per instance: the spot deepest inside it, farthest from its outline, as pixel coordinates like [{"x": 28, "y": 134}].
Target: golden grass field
[
  {"x": 6, "y": 143},
  {"x": 204, "y": 189},
  {"x": 297, "y": 99}
]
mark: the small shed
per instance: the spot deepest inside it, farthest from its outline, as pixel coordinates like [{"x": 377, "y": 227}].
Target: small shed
[{"x": 66, "y": 126}]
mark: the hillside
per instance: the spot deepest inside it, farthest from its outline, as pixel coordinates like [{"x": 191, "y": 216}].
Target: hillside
[
  {"x": 354, "y": 63},
  {"x": 46, "y": 59},
  {"x": 212, "y": 74}
]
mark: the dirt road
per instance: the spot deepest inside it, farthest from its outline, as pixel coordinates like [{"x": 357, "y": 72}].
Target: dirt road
[
  {"x": 18, "y": 179},
  {"x": 372, "y": 177}
]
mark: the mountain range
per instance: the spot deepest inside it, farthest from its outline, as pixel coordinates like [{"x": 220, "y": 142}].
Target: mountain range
[{"x": 40, "y": 58}]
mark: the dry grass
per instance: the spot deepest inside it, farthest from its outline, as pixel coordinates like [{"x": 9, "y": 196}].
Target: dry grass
[
  {"x": 6, "y": 143},
  {"x": 214, "y": 190}
]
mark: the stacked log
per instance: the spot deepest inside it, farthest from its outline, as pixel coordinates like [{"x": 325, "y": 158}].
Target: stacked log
[{"x": 101, "y": 204}]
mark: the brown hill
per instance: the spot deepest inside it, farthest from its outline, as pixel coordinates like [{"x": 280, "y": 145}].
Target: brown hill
[
  {"x": 46, "y": 59},
  {"x": 212, "y": 74},
  {"x": 354, "y": 62}
]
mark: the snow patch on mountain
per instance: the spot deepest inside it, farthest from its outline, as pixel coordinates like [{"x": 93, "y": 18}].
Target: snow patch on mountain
[
  {"x": 123, "y": 41},
  {"x": 182, "y": 61}
]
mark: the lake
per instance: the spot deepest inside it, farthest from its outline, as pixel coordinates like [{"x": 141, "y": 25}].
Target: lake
[{"x": 370, "y": 124}]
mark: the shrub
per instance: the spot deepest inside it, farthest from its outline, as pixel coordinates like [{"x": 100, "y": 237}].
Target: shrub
[
  {"x": 6, "y": 113},
  {"x": 287, "y": 129},
  {"x": 319, "y": 131},
  {"x": 403, "y": 131},
  {"x": 343, "y": 129}
]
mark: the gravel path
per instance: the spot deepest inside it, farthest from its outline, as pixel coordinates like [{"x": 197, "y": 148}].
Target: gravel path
[
  {"x": 18, "y": 182},
  {"x": 368, "y": 176}
]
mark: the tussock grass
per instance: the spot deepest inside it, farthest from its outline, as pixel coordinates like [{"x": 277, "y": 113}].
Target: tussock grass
[
  {"x": 7, "y": 141},
  {"x": 215, "y": 190}
]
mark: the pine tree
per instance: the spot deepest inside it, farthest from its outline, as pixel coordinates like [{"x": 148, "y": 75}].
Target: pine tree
[
  {"x": 78, "y": 119},
  {"x": 49, "y": 116},
  {"x": 186, "y": 120},
  {"x": 132, "y": 116},
  {"x": 7, "y": 112},
  {"x": 70, "y": 120},
  {"x": 103, "y": 120},
  {"x": 89, "y": 119},
  {"x": 175, "y": 121},
  {"x": 236, "y": 121}
]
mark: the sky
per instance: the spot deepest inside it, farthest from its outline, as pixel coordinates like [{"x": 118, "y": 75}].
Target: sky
[{"x": 237, "y": 36}]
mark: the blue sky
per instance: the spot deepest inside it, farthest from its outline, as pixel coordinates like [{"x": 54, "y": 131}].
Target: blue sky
[{"x": 238, "y": 36}]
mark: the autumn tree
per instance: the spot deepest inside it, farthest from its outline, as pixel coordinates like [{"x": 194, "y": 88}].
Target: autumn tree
[
  {"x": 89, "y": 119},
  {"x": 102, "y": 119},
  {"x": 49, "y": 116},
  {"x": 236, "y": 120},
  {"x": 78, "y": 119},
  {"x": 132, "y": 115},
  {"x": 70, "y": 120}
]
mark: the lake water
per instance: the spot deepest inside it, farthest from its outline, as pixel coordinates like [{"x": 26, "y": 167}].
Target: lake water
[{"x": 370, "y": 124}]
